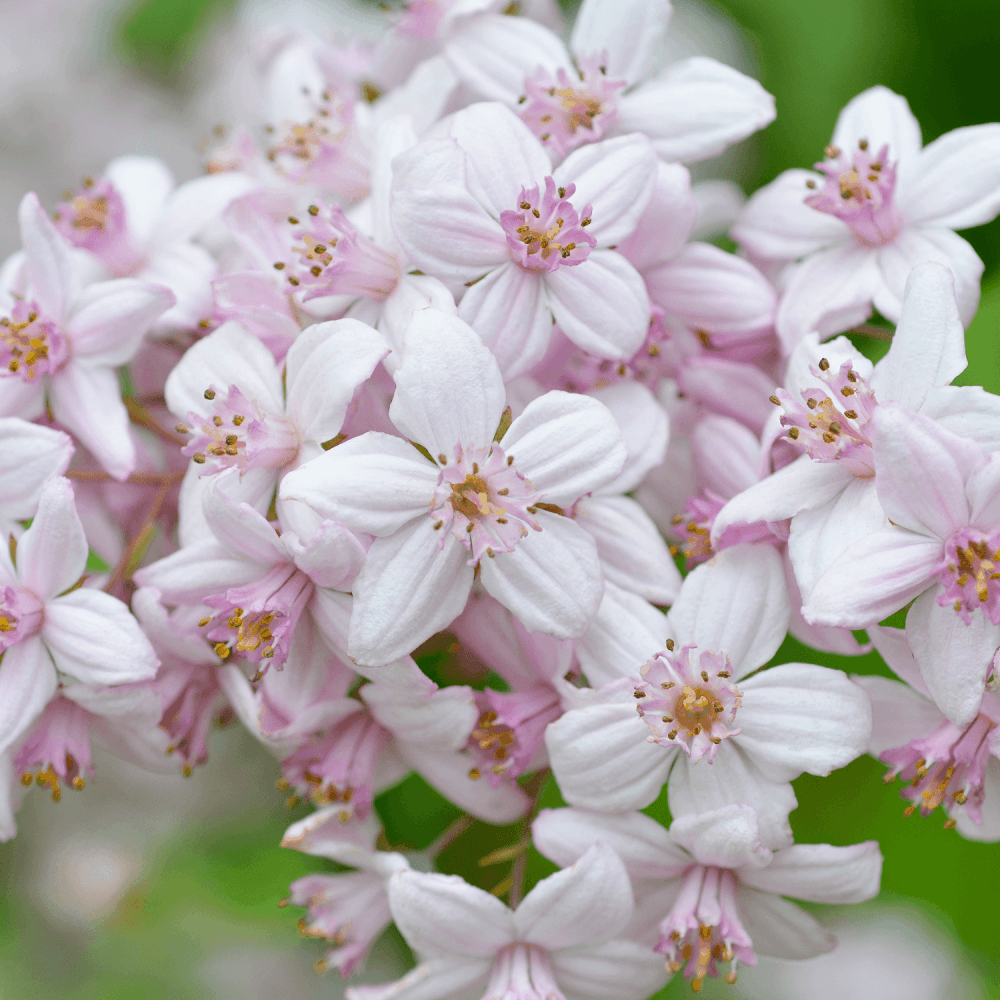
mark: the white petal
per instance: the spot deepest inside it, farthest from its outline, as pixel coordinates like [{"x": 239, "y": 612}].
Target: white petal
[
  {"x": 333, "y": 556},
  {"x": 228, "y": 356},
  {"x": 509, "y": 309},
  {"x": 777, "y": 224},
  {"x": 645, "y": 427},
  {"x": 954, "y": 658},
  {"x": 625, "y": 633},
  {"x": 47, "y": 257},
  {"x": 726, "y": 838},
  {"x": 920, "y": 472},
  {"x": 928, "y": 347},
  {"x": 503, "y": 155},
  {"x": 197, "y": 203},
  {"x": 666, "y": 224},
  {"x": 732, "y": 388},
  {"x": 880, "y": 116},
  {"x": 444, "y": 230},
  {"x": 440, "y": 719},
  {"x": 444, "y": 915},
  {"x": 602, "y": 760},
  {"x": 632, "y": 551},
  {"x": 828, "y": 292},
  {"x": 821, "y": 873},
  {"x": 616, "y": 177},
  {"x": 31, "y": 455},
  {"x": 802, "y": 485},
  {"x": 413, "y": 584},
  {"x": 551, "y": 581},
  {"x": 448, "y": 772},
  {"x": 799, "y": 717},
  {"x": 695, "y": 108},
  {"x": 92, "y": 636},
  {"x": 27, "y": 682},
  {"x": 727, "y": 454},
  {"x": 566, "y": 444},
  {"x": 899, "y": 714},
  {"x": 988, "y": 831},
  {"x": 913, "y": 247},
  {"x": 968, "y": 411},
  {"x": 733, "y": 778},
  {"x": 818, "y": 537},
  {"x": 779, "y": 928},
  {"x": 374, "y": 483},
  {"x": 873, "y": 578},
  {"x": 492, "y": 54},
  {"x": 601, "y": 304},
  {"x": 719, "y": 204},
  {"x": 737, "y": 604},
  {"x": 432, "y": 980},
  {"x": 144, "y": 182},
  {"x": 707, "y": 289},
  {"x": 449, "y": 390},
  {"x": 622, "y": 969},
  {"x": 583, "y": 904},
  {"x": 243, "y": 531},
  {"x": 412, "y": 292},
  {"x": 110, "y": 318},
  {"x": 325, "y": 365},
  {"x": 629, "y": 31},
  {"x": 955, "y": 181},
  {"x": 87, "y": 401},
  {"x": 52, "y": 553},
  {"x": 644, "y": 846},
  {"x": 197, "y": 570}
]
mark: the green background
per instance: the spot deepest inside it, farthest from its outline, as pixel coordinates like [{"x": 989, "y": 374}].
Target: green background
[{"x": 218, "y": 884}]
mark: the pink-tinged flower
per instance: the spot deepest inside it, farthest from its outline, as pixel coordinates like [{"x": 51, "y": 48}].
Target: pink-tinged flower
[
  {"x": 31, "y": 455},
  {"x": 691, "y": 712},
  {"x": 465, "y": 502},
  {"x": 561, "y": 941},
  {"x": 708, "y": 894},
  {"x": 941, "y": 494},
  {"x": 484, "y": 207},
  {"x": 342, "y": 751},
  {"x": 242, "y": 410},
  {"x": 608, "y": 82},
  {"x": 191, "y": 700},
  {"x": 140, "y": 225},
  {"x": 508, "y": 738},
  {"x": 878, "y": 206},
  {"x": 254, "y": 582},
  {"x": 61, "y": 342},
  {"x": 350, "y": 909},
  {"x": 831, "y": 394},
  {"x": 56, "y": 752},
  {"x": 49, "y": 625},
  {"x": 941, "y": 765}
]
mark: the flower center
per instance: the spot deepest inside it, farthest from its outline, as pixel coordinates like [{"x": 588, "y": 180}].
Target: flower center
[
  {"x": 704, "y": 928},
  {"x": 258, "y": 619},
  {"x": 94, "y": 218},
  {"x": 688, "y": 700},
  {"x": 302, "y": 143},
  {"x": 545, "y": 230},
  {"x": 339, "y": 765},
  {"x": 511, "y": 730},
  {"x": 859, "y": 190},
  {"x": 330, "y": 257},
  {"x": 21, "y": 616},
  {"x": 57, "y": 749},
  {"x": 238, "y": 433},
  {"x": 564, "y": 112},
  {"x": 29, "y": 345},
  {"x": 947, "y": 768},
  {"x": 971, "y": 573},
  {"x": 695, "y": 524},
  {"x": 484, "y": 502},
  {"x": 832, "y": 425},
  {"x": 522, "y": 972}
]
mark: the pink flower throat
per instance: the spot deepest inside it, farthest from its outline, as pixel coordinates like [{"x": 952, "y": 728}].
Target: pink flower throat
[
  {"x": 970, "y": 574},
  {"x": 545, "y": 230},
  {"x": 30, "y": 345},
  {"x": 859, "y": 190}
]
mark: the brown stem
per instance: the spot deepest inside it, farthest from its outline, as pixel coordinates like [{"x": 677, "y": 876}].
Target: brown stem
[
  {"x": 519, "y": 869},
  {"x": 453, "y": 832},
  {"x": 141, "y": 478},
  {"x": 871, "y": 330},
  {"x": 138, "y": 414}
]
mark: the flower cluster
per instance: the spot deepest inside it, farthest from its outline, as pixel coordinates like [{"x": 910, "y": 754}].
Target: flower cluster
[{"x": 433, "y": 358}]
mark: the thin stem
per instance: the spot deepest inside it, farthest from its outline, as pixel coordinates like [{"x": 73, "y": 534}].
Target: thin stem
[
  {"x": 138, "y": 414},
  {"x": 519, "y": 869},
  {"x": 453, "y": 832},
  {"x": 140, "y": 478}
]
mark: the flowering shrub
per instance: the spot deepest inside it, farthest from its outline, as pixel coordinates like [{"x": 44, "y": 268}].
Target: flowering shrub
[{"x": 423, "y": 435}]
